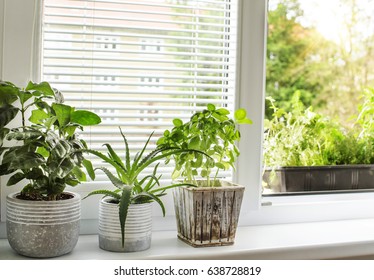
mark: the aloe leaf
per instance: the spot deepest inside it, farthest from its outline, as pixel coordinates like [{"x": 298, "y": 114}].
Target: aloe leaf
[
  {"x": 123, "y": 209},
  {"x": 106, "y": 193},
  {"x": 115, "y": 181},
  {"x": 114, "y": 155},
  {"x": 127, "y": 155},
  {"x": 111, "y": 162},
  {"x": 135, "y": 164}
]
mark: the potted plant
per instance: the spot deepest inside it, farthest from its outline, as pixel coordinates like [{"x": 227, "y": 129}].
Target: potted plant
[
  {"x": 42, "y": 219},
  {"x": 125, "y": 217},
  {"x": 206, "y": 215},
  {"x": 305, "y": 151}
]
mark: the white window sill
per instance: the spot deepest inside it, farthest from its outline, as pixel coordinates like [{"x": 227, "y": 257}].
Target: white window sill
[{"x": 348, "y": 239}]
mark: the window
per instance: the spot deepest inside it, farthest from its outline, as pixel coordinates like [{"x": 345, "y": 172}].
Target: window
[
  {"x": 319, "y": 54},
  {"x": 146, "y": 62},
  {"x": 20, "y": 45}
]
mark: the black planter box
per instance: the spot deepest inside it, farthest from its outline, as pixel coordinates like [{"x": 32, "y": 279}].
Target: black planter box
[{"x": 320, "y": 178}]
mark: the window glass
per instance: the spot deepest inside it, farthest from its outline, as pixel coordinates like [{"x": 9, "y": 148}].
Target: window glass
[{"x": 320, "y": 96}]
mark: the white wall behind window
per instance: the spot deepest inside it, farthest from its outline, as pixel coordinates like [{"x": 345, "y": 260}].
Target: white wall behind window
[{"x": 17, "y": 49}]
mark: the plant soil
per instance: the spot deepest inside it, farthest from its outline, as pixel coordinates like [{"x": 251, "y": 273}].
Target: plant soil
[{"x": 34, "y": 197}]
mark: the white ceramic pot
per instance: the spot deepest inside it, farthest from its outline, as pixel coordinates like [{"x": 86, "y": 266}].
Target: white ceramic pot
[
  {"x": 138, "y": 227},
  {"x": 43, "y": 229}
]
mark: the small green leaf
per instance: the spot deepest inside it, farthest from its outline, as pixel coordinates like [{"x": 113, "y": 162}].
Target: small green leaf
[
  {"x": 211, "y": 107},
  {"x": 85, "y": 118},
  {"x": 220, "y": 165},
  {"x": 63, "y": 113},
  {"x": 37, "y": 116},
  {"x": 223, "y": 111},
  {"x": 43, "y": 87},
  {"x": 194, "y": 143},
  {"x": 177, "y": 122},
  {"x": 88, "y": 165},
  {"x": 43, "y": 151},
  {"x": 245, "y": 121},
  {"x": 79, "y": 174},
  {"x": 240, "y": 114}
]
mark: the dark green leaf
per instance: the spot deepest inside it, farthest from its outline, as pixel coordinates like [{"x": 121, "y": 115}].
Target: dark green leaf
[
  {"x": 7, "y": 114},
  {"x": 8, "y": 93},
  {"x": 15, "y": 178},
  {"x": 26, "y": 160}
]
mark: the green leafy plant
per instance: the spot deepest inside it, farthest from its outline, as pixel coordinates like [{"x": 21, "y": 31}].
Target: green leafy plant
[
  {"x": 302, "y": 137},
  {"x": 212, "y": 131},
  {"x": 47, "y": 151},
  {"x": 132, "y": 185}
]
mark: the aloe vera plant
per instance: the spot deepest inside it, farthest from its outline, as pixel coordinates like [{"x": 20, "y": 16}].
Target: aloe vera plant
[
  {"x": 132, "y": 186},
  {"x": 47, "y": 150}
]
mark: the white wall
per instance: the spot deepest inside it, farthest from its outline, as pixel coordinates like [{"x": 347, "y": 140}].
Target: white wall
[{"x": 16, "y": 62}]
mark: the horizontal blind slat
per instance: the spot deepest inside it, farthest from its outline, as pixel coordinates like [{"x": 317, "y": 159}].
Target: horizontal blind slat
[{"x": 140, "y": 64}]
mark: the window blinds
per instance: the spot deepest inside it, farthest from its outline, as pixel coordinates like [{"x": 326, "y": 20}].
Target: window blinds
[{"x": 139, "y": 64}]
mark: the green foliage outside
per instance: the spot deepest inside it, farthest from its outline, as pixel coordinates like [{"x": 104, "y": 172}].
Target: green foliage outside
[
  {"x": 302, "y": 137},
  {"x": 330, "y": 75}
]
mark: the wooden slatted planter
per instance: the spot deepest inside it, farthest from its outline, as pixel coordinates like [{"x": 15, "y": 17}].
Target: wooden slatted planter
[{"x": 208, "y": 216}]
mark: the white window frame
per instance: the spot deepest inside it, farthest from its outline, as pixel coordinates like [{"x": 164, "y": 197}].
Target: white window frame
[{"x": 18, "y": 64}]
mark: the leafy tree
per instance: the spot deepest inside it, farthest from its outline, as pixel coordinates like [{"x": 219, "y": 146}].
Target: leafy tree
[{"x": 297, "y": 58}]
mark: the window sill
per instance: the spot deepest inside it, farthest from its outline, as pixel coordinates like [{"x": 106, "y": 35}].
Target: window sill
[{"x": 348, "y": 239}]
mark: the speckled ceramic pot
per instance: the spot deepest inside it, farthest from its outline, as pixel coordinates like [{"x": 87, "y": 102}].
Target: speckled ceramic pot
[
  {"x": 43, "y": 229},
  {"x": 138, "y": 227}
]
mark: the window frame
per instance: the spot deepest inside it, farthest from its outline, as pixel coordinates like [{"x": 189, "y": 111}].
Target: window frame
[{"x": 250, "y": 85}]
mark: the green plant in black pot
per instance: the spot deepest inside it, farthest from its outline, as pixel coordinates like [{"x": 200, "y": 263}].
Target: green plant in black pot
[
  {"x": 46, "y": 152},
  {"x": 134, "y": 186}
]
